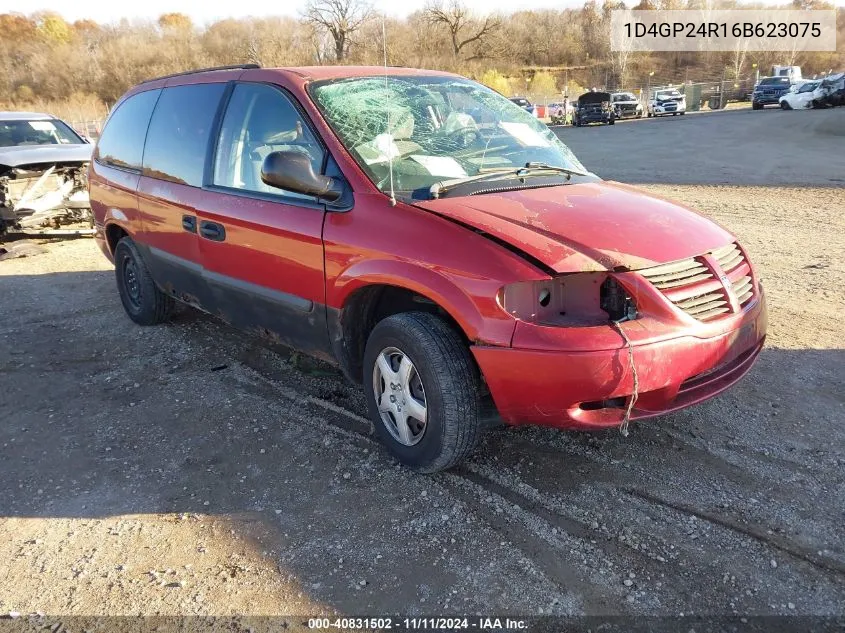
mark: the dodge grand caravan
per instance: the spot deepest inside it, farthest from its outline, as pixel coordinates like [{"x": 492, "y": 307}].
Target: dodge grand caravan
[{"x": 431, "y": 238}]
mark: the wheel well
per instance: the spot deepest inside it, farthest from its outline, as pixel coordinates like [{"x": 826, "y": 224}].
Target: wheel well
[
  {"x": 114, "y": 234},
  {"x": 364, "y": 309}
]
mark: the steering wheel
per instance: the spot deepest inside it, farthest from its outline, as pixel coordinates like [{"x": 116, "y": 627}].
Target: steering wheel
[{"x": 464, "y": 137}]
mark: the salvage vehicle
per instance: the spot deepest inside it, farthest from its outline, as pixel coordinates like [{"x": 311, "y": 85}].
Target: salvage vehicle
[
  {"x": 667, "y": 101},
  {"x": 834, "y": 90},
  {"x": 594, "y": 107},
  {"x": 809, "y": 95},
  {"x": 450, "y": 267},
  {"x": 769, "y": 90},
  {"x": 43, "y": 175},
  {"x": 525, "y": 104},
  {"x": 626, "y": 105}
]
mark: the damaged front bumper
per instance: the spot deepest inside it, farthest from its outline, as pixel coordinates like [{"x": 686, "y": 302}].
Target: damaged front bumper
[
  {"x": 45, "y": 198},
  {"x": 582, "y": 377}
]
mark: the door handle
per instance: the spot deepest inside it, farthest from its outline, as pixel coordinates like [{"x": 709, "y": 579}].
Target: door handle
[
  {"x": 212, "y": 231},
  {"x": 189, "y": 223}
]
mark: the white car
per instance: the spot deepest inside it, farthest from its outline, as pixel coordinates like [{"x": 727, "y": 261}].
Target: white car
[
  {"x": 808, "y": 95},
  {"x": 667, "y": 101}
]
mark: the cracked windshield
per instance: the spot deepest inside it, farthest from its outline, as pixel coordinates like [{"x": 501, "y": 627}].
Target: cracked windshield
[{"x": 435, "y": 129}]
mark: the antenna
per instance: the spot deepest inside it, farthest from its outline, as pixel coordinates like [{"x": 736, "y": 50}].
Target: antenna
[{"x": 387, "y": 97}]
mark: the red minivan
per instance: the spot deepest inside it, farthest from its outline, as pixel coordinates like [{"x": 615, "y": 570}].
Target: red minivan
[{"x": 433, "y": 239}]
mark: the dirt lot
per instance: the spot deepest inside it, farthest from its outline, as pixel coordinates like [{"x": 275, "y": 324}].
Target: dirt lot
[{"x": 185, "y": 469}]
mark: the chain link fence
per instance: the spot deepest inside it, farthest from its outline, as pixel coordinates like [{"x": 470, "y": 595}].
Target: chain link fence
[{"x": 90, "y": 128}]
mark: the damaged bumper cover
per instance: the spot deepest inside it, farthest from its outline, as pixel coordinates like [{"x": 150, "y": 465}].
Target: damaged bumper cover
[
  {"x": 42, "y": 196},
  {"x": 558, "y": 377}
]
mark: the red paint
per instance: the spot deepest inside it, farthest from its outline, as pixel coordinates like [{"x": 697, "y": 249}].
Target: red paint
[{"x": 536, "y": 374}]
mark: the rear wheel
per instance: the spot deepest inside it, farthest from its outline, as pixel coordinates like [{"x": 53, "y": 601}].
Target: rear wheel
[
  {"x": 422, "y": 389},
  {"x": 143, "y": 301}
]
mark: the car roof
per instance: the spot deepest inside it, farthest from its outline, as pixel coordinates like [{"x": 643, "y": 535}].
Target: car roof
[
  {"x": 25, "y": 116},
  {"x": 318, "y": 73}
]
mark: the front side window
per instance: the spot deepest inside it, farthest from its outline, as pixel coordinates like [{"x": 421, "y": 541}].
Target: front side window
[
  {"x": 37, "y": 132},
  {"x": 122, "y": 141},
  {"x": 177, "y": 141},
  {"x": 433, "y": 128},
  {"x": 260, "y": 120}
]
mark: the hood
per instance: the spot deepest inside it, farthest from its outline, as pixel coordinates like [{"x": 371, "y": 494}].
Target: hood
[
  {"x": 594, "y": 97},
  {"x": 594, "y": 226},
  {"x": 44, "y": 154}
]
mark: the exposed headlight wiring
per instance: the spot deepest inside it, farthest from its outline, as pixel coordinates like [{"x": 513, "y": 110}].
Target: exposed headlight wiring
[{"x": 623, "y": 426}]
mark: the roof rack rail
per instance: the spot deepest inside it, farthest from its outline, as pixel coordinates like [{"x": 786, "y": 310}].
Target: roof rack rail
[{"x": 205, "y": 70}]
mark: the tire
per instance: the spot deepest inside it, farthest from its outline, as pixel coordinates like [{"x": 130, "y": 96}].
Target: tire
[
  {"x": 756, "y": 106},
  {"x": 650, "y": 115},
  {"x": 682, "y": 113},
  {"x": 450, "y": 385},
  {"x": 785, "y": 106},
  {"x": 143, "y": 301},
  {"x": 611, "y": 122}
]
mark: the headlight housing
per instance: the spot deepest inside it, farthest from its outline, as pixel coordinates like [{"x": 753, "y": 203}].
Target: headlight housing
[{"x": 574, "y": 300}]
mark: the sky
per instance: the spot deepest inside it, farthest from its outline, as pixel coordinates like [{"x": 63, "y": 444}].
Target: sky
[{"x": 205, "y": 12}]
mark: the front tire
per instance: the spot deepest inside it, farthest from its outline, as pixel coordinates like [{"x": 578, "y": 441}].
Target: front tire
[
  {"x": 143, "y": 301},
  {"x": 422, "y": 389},
  {"x": 785, "y": 106}
]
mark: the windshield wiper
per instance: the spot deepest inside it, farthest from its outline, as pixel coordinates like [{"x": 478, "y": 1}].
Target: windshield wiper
[{"x": 493, "y": 173}]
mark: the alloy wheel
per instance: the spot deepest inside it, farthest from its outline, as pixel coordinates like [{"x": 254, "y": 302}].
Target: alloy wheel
[{"x": 400, "y": 396}]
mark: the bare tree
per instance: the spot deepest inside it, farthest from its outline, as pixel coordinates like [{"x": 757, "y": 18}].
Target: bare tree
[
  {"x": 340, "y": 18},
  {"x": 463, "y": 28},
  {"x": 738, "y": 57}
]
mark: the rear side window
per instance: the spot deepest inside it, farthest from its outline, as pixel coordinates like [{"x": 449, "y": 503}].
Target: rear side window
[
  {"x": 122, "y": 141},
  {"x": 177, "y": 140}
]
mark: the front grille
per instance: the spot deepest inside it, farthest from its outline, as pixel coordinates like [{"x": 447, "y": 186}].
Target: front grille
[{"x": 691, "y": 285}]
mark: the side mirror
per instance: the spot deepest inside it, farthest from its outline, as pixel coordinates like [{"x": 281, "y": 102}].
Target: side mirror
[{"x": 293, "y": 171}]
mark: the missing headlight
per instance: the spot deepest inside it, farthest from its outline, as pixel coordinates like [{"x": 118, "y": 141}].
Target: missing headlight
[
  {"x": 614, "y": 300},
  {"x": 574, "y": 300}
]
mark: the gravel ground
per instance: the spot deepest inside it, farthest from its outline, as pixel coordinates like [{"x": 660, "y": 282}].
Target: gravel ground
[{"x": 186, "y": 469}]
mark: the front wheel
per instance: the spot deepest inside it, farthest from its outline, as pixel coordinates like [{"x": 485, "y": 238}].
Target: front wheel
[
  {"x": 422, "y": 389},
  {"x": 785, "y": 106}
]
